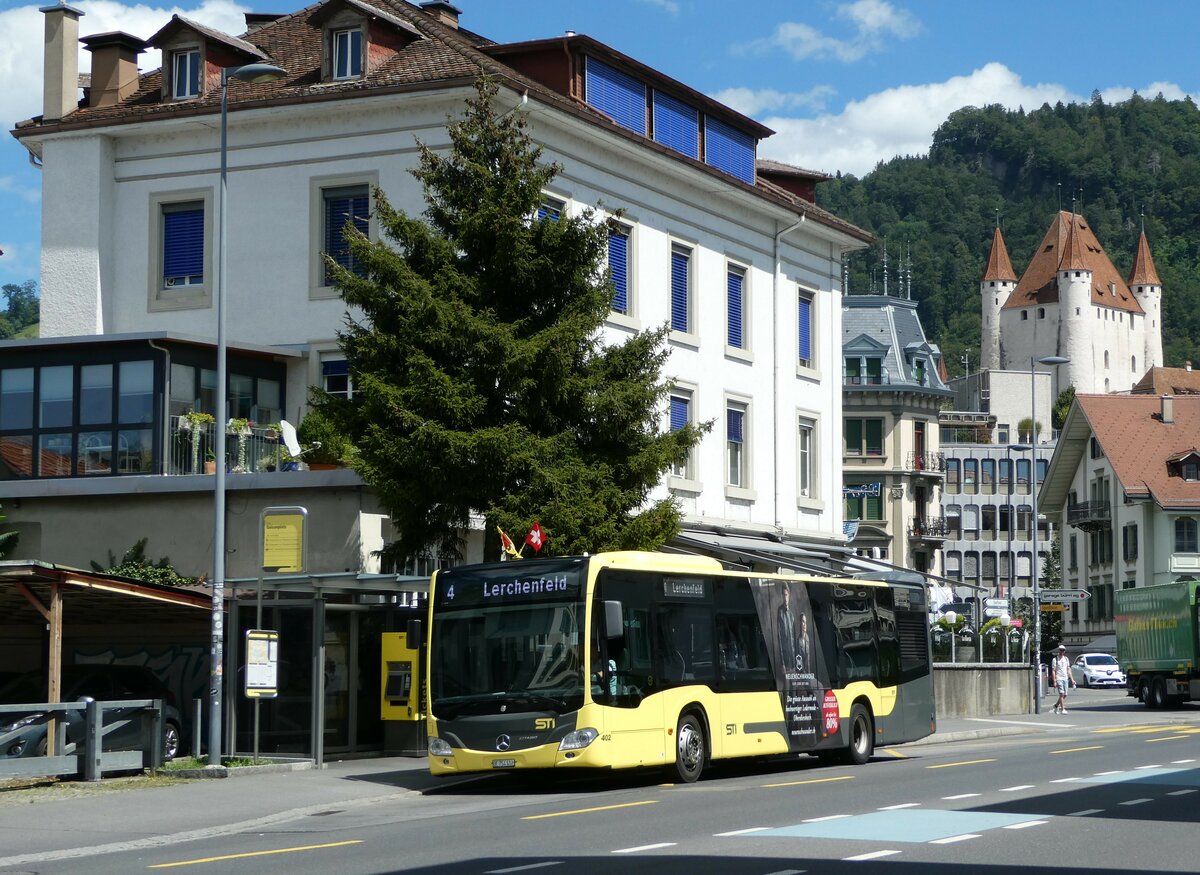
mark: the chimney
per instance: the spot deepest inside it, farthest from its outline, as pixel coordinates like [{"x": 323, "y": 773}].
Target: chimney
[
  {"x": 1187, "y": 366},
  {"x": 446, "y": 13},
  {"x": 1168, "y": 410},
  {"x": 114, "y": 66},
  {"x": 60, "y": 77}
]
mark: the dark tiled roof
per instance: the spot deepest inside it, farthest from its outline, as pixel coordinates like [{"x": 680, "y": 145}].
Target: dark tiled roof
[{"x": 1070, "y": 244}]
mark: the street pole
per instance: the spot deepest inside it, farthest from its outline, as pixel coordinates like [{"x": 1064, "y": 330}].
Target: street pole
[{"x": 254, "y": 73}]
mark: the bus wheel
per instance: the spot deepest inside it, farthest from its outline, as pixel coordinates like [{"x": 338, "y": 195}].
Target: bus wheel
[
  {"x": 689, "y": 748},
  {"x": 862, "y": 736}
]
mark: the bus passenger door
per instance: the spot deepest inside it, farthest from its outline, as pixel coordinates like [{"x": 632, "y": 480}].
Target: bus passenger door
[{"x": 633, "y": 717}]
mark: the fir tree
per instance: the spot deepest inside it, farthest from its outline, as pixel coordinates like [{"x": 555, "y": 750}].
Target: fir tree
[{"x": 482, "y": 385}]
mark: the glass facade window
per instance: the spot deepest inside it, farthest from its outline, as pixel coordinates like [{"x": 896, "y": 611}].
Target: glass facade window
[
  {"x": 735, "y": 436},
  {"x": 95, "y": 394},
  {"x": 16, "y": 398},
  {"x": 95, "y": 452},
  {"x": 54, "y": 455},
  {"x": 269, "y": 406},
  {"x": 135, "y": 386},
  {"x": 56, "y": 397},
  {"x": 183, "y": 389},
  {"x": 241, "y": 396}
]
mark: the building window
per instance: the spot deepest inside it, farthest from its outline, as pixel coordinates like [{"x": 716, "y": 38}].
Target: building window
[
  {"x": 182, "y": 244},
  {"x": 618, "y": 266},
  {"x": 735, "y": 284},
  {"x": 863, "y": 371},
  {"x": 681, "y": 415},
  {"x": 864, "y": 507},
  {"x": 681, "y": 288},
  {"x": 735, "y": 438},
  {"x": 185, "y": 74},
  {"x": 1073, "y": 554},
  {"x": 805, "y": 330},
  {"x": 1185, "y": 535},
  {"x": 919, "y": 372},
  {"x": 1129, "y": 542},
  {"x": 347, "y": 205},
  {"x": 1024, "y": 315},
  {"x": 953, "y": 471},
  {"x": 1041, "y": 312},
  {"x": 551, "y": 208},
  {"x": 347, "y": 53},
  {"x": 806, "y": 457},
  {"x": 1190, "y": 471},
  {"x": 335, "y": 378},
  {"x": 864, "y": 437}
]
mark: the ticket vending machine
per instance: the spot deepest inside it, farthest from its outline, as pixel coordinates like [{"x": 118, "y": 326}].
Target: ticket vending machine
[{"x": 401, "y": 699}]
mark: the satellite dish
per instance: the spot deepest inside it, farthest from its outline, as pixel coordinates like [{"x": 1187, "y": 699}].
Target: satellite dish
[{"x": 289, "y": 438}]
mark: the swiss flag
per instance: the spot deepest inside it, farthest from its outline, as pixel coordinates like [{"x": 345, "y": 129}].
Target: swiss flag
[{"x": 536, "y": 538}]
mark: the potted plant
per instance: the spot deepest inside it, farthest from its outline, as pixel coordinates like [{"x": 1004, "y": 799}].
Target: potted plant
[
  {"x": 325, "y": 447},
  {"x": 210, "y": 462},
  {"x": 195, "y": 421},
  {"x": 240, "y": 428}
]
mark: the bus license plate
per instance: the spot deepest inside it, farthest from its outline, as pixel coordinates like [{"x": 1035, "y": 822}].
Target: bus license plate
[{"x": 504, "y": 764}]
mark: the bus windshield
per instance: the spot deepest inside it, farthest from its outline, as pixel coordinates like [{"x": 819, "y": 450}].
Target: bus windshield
[{"x": 507, "y": 642}]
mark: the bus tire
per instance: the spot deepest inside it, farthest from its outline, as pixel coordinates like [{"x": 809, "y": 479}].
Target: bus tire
[
  {"x": 690, "y": 748},
  {"x": 1157, "y": 697},
  {"x": 862, "y": 736}
]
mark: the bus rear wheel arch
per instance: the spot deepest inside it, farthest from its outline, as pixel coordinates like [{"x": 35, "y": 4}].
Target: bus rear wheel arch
[{"x": 691, "y": 747}]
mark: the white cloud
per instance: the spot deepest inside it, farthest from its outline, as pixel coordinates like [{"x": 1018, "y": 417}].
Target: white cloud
[
  {"x": 752, "y": 103},
  {"x": 1119, "y": 93},
  {"x": 10, "y": 186},
  {"x": 21, "y": 30},
  {"x": 898, "y": 121},
  {"x": 666, "y": 5},
  {"x": 873, "y": 23}
]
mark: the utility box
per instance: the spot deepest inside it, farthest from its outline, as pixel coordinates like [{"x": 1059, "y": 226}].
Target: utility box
[{"x": 400, "y": 701}]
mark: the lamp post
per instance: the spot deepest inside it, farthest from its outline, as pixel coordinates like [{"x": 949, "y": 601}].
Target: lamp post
[
  {"x": 1033, "y": 482},
  {"x": 254, "y": 74}
]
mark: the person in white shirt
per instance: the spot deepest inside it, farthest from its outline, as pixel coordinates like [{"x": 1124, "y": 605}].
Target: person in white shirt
[{"x": 1061, "y": 672}]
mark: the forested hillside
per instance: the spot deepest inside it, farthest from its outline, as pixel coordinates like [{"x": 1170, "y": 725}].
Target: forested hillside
[{"x": 1117, "y": 161}]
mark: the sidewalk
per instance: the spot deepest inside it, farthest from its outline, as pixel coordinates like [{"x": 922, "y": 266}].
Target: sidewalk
[{"x": 39, "y": 826}]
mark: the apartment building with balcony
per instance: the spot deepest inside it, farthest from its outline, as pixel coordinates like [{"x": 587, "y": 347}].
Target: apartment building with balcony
[{"x": 892, "y": 465}]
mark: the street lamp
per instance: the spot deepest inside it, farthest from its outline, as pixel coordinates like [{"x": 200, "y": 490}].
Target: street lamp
[
  {"x": 254, "y": 74},
  {"x": 1037, "y": 595}
]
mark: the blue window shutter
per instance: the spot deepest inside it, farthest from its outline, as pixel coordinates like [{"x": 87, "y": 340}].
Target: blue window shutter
[
  {"x": 342, "y": 206},
  {"x": 805, "y": 330},
  {"x": 680, "y": 265},
  {"x": 335, "y": 368},
  {"x": 735, "y": 303},
  {"x": 676, "y": 125},
  {"x": 728, "y": 149},
  {"x": 679, "y": 412},
  {"x": 550, "y": 209},
  {"x": 616, "y": 94},
  {"x": 183, "y": 243},
  {"x": 618, "y": 264},
  {"x": 733, "y": 425}
]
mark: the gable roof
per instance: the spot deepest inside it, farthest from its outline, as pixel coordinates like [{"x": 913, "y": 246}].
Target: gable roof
[
  {"x": 1137, "y": 443},
  {"x": 1169, "y": 381},
  {"x": 178, "y": 23},
  {"x": 1070, "y": 244}
]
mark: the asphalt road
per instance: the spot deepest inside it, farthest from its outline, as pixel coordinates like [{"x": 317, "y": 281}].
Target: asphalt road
[{"x": 1087, "y": 797}]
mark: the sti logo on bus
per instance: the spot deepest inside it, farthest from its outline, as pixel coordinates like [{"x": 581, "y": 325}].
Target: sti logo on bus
[{"x": 544, "y": 723}]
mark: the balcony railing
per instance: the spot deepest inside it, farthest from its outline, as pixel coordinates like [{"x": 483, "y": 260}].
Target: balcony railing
[
  {"x": 190, "y": 449},
  {"x": 1090, "y": 515},
  {"x": 933, "y": 463},
  {"x": 880, "y": 379},
  {"x": 929, "y": 529}
]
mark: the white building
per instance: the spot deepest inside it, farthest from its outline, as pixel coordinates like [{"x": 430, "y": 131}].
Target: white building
[
  {"x": 737, "y": 257},
  {"x": 1072, "y": 302}
]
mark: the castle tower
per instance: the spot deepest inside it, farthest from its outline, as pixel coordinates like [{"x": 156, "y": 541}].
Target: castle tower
[
  {"x": 997, "y": 284},
  {"x": 1147, "y": 288},
  {"x": 1074, "y": 278}
]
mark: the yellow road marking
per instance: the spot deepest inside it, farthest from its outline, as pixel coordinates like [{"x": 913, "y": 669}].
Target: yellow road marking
[
  {"x": 255, "y": 854},
  {"x": 965, "y": 763},
  {"x": 895, "y": 753},
  {"x": 1165, "y": 738},
  {"x": 812, "y": 781},
  {"x": 1077, "y": 749},
  {"x": 589, "y": 810}
]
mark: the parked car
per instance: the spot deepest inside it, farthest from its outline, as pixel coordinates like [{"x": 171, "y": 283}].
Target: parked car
[
  {"x": 1097, "y": 670},
  {"x": 24, "y": 735}
]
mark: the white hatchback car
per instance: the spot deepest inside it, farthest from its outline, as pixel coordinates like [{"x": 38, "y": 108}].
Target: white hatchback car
[{"x": 1097, "y": 670}]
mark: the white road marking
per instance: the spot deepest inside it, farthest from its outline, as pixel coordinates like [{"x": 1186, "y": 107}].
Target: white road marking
[
  {"x": 901, "y": 805},
  {"x": 789, "y": 872},
  {"x": 523, "y": 868},
  {"x": 952, "y": 839},
  {"x": 740, "y": 832},
  {"x": 1063, "y": 780},
  {"x": 640, "y": 848},
  {"x": 1018, "y": 787},
  {"x": 874, "y": 855},
  {"x": 1135, "y": 801},
  {"x": 1155, "y": 766},
  {"x": 1014, "y": 722},
  {"x": 1085, "y": 812},
  {"x": 1180, "y": 792},
  {"x": 1025, "y": 824},
  {"x": 961, "y": 796},
  {"x": 1102, "y": 774},
  {"x": 823, "y": 819},
  {"x": 1181, "y": 762}
]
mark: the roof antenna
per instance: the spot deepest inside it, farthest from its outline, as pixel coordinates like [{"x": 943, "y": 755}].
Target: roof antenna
[
  {"x": 1143, "y": 221},
  {"x": 1060, "y": 197},
  {"x": 885, "y": 268},
  {"x": 997, "y": 218}
]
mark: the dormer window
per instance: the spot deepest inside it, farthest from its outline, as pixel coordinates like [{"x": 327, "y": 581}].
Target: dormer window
[
  {"x": 347, "y": 53},
  {"x": 185, "y": 74}
]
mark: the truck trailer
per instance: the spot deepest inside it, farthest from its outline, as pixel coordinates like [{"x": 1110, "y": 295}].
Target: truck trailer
[{"x": 1158, "y": 642}]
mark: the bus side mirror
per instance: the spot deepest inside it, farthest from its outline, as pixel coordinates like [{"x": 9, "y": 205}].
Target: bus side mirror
[
  {"x": 412, "y": 634},
  {"x": 614, "y": 626}
]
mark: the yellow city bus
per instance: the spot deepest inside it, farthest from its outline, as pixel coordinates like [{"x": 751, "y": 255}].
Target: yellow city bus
[{"x": 626, "y": 659}]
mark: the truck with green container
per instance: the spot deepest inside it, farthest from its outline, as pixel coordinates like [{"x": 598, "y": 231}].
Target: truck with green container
[{"x": 1158, "y": 642}]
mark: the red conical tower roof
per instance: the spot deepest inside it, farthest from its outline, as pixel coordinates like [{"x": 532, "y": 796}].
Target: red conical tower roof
[
  {"x": 1143, "y": 273},
  {"x": 999, "y": 266},
  {"x": 1072, "y": 252}
]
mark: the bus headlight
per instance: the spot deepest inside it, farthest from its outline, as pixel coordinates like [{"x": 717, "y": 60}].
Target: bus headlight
[
  {"x": 578, "y": 739},
  {"x": 439, "y": 748}
]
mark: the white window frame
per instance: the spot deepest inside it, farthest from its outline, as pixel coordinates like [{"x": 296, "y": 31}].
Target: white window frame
[
  {"x": 182, "y": 297},
  {"x": 688, "y": 335},
  {"x": 808, "y": 422},
  {"x": 742, "y": 352},
  {"x": 341, "y": 42},
  {"x": 810, "y": 367},
  {"x": 683, "y": 477},
  {"x": 189, "y": 55},
  {"x": 628, "y": 319},
  {"x": 738, "y": 461}
]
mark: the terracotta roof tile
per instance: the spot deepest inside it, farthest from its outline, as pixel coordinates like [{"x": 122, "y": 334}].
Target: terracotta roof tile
[
  {"x": 1169, "y": 381},
  {"x": 1139, "y": 444},
  {"x": 1143, "y": 273},
  {"x": 1039, "y": 283},
  {"x": 999, "y": 266}
]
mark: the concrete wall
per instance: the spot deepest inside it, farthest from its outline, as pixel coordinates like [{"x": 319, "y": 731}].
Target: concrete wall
[{"x": 982, "y": 689}]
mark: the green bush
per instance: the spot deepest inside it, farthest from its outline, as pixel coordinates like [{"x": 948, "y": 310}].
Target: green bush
[{"x": 317, "y": 428}]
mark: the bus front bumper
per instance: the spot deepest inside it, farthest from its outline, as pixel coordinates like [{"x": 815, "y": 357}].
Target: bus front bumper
[{"x": 548, "y": 756}]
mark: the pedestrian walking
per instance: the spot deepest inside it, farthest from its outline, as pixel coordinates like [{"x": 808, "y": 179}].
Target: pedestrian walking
[{"x": 1060, "y": 670}]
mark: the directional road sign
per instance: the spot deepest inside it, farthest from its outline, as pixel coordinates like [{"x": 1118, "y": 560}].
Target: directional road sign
[{"x": 1059, "y": 596}]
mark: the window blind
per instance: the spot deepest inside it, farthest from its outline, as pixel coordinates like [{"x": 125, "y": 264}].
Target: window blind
[{"x": 616, "y": 94}]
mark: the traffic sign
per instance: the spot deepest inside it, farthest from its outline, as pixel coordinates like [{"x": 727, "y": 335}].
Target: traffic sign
[
  {"x": 1054, "y": 609},
  {"x": 995, "y": 603},
  {"x": 1000, "y": 611},
  {"x": 1059, "y": 596}
]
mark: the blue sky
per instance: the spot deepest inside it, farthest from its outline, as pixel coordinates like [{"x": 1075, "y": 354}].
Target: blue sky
[{"x": 844, "y": 84}]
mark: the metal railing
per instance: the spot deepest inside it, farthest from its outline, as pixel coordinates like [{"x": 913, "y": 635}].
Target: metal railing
[
  {"x": 931, "y": 528},
  {"x": 1083, "y": 513},
  {"x": 190, "y": 450},
  {"x": 934, "y": 463}
]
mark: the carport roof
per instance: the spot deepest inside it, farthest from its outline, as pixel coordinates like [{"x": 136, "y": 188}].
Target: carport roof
[{"x": 25, "y": 595}]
